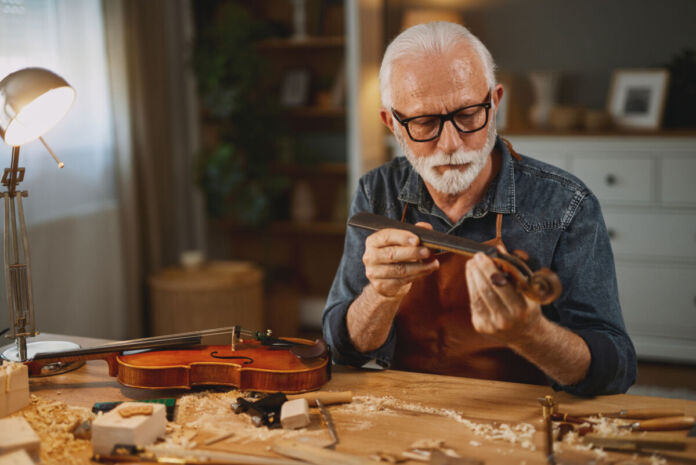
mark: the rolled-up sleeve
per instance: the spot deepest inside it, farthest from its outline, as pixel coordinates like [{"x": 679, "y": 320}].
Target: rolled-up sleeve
[
  {"x": 589, "y": 305},
  {"x": 348, "y": 284}
]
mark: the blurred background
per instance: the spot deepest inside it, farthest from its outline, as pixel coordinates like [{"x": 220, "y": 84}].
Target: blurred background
[{"x": 213, "y": 149}]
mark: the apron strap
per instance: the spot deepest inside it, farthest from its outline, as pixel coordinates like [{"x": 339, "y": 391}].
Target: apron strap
[{"x": 514, "y": 154}]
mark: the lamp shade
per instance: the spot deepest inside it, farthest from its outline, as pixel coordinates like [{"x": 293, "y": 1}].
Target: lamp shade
[{"x": 32, "y": 101}]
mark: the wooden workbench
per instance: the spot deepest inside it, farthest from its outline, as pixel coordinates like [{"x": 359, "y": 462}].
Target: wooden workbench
[{"x": 396, "y": 429}]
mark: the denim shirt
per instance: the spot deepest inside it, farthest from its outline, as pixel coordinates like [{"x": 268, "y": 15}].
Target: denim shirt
[{"x": 549, "y": 214}]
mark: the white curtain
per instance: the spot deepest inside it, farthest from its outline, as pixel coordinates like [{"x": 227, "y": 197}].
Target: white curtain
[{"x": 72, "y": 213}]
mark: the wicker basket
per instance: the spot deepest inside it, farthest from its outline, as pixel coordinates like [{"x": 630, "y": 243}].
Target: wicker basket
[{"x": 214, "y": 295}]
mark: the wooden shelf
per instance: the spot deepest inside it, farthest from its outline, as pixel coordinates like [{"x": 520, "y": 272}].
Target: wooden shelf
[{"x": 310, "y": 42}]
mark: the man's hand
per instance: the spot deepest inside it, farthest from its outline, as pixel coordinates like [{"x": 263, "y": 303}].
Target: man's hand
[
  {"x": 393, "y": 260},
  {"x": 497, "y": 309}
]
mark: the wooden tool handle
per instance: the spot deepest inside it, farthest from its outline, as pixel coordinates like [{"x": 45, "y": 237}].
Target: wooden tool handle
[
  {"x": 665, "y": 424},
  {"x": 646, "y": 413},
  {"x": 317, "y": 455},
  {"x": 326, "y": 397}
]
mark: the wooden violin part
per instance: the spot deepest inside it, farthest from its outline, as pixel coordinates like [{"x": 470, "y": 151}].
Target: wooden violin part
[
  {"x": 542, "y": 286},
  {"x": 261, "y": 363}
]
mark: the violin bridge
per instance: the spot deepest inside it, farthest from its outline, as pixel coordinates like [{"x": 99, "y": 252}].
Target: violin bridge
[{"x": 235, "y": 338}]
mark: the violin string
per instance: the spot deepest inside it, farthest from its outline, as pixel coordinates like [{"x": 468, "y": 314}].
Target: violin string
[{"x": 182, "y": 336}]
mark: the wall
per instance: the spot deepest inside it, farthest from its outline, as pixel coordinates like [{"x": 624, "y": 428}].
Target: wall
[{"x": 585, "y": 39}]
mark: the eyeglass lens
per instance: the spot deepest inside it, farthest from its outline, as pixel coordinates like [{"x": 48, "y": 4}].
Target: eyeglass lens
[{"x": 467, "y": 120}]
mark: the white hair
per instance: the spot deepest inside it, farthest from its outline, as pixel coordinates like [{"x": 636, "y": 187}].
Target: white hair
[{"x": 431, "y": 38}]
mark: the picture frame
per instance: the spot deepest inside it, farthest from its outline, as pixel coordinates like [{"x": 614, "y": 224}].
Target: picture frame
[
  {"x": 295, "y": 87},
  {"x": 637, "y": 98}
]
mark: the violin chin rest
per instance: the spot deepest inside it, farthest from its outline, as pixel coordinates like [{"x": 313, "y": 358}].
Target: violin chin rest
[{"x": 309, "y": 352}]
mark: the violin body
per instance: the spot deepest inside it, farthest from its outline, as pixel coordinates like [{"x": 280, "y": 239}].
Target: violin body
[
  {"x": 251, "y": 366},
  {"x": 262, "y": 369}
]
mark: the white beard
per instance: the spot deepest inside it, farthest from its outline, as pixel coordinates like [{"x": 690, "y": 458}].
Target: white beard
[{"x": 452, "y": 181}]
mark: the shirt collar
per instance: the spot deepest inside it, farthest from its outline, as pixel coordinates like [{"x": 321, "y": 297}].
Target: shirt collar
[{"x": 500, "y": 197}]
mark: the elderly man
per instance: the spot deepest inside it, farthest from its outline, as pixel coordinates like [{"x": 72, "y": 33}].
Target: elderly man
[{"x": 395, "y": 301}]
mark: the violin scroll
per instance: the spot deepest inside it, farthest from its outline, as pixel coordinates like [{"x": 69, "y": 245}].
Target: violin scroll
[{"x": 544, "y": 286}]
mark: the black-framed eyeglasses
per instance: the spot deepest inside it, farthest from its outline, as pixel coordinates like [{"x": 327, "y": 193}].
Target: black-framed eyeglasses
[{"x": 468, "y": 119}]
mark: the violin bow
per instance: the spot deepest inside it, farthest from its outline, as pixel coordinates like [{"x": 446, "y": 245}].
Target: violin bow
[{"x": 542, "y": 286}]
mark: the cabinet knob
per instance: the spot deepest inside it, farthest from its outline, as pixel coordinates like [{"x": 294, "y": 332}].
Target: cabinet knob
[
  {"x": 611, "y": 232},
  {"x": 610, "y": 179}
]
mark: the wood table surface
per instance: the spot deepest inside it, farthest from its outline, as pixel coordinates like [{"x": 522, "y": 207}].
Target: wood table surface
[{"x": 480, "y": 401}]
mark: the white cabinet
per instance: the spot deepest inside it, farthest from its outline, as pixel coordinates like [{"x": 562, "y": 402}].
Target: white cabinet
[{"x": 647, "y": 188}]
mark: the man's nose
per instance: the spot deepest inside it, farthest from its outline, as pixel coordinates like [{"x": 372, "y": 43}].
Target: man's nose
[{"x": 450, "y": 139}]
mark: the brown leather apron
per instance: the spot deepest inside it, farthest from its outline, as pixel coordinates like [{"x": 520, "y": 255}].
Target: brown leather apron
[{"x": 434, "y": 332}]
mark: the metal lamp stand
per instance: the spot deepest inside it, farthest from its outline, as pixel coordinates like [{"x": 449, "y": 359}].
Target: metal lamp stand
[{"x": 18, "y": 287}]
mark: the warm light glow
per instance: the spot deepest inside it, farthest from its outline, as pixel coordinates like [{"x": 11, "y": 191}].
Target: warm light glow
[{"x": 39, "y": 116}]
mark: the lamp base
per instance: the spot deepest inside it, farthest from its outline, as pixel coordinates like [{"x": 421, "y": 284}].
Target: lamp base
[{"x": 12, "y": 354}]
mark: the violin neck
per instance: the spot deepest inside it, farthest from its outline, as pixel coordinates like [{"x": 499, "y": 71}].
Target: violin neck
[
  {"x": 430, "y": 239},
  {"x": 122, "y": 346}
]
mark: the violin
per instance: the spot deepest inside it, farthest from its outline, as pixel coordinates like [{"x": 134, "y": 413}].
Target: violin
[
  {"x": 542, "y": 286},
  {"x": 254, "y": 361}
]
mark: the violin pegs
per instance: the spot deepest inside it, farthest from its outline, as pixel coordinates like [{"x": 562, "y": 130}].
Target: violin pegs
[{"x": 521, "y": 254}]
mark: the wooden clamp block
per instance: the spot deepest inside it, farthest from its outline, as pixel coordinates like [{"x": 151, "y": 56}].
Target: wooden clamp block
[
  {"x": 16, "y": 434},
  {"x": 119, "y": 427},
  {"x": 294, "y": 414},
  {"x": 18, "y": 457},
  {"x": 14, "y": 387}
]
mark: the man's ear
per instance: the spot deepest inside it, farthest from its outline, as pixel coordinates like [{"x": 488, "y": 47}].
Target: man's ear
[
  {"x": 387, "y": 119},
  {"x": 497, "y": 94}
]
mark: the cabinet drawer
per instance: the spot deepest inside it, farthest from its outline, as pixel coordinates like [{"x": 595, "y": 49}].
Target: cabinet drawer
[
  {"x": 655, "y": 234},
  {"x": 678, "y": 180},
  {"x": 658, "y": 300},
  {"x": 616, "y": 178}
]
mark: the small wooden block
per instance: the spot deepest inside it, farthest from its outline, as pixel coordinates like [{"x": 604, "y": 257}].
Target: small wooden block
[
  {"x": 113, "y": 428},
  {"x": 14, "y": 387},
  {"x": 18, "y": 457},
  {"x": 16, "y": 434},
  {"x": 294, "y": 414},
  {"x": 17, "y": 376},
  {"x": 16, "y": 400}
]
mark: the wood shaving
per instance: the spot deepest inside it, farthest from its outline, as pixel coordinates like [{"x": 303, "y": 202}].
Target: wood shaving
[
  {"x": 521, "y": 433},
  {"x": 133, "y": 410},
  {"x": 53, "y": 422}
]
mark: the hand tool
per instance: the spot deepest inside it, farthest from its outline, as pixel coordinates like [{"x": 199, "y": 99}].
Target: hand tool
[
  {"x": 169, "y": 403},
  {"x": 636, "y": 414},
  {"x": 326, "y": 418},
  {"x": 266, "y": 411},
  {"x": 662, "y": 424},
  {"x": 548, "y": 407}
]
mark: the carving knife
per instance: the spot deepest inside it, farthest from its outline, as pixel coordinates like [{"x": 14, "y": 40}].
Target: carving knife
[{"x": 692, "y": 433}]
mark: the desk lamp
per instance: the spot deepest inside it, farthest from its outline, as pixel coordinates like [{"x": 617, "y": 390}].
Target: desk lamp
[{"x": 32, "y": 101}]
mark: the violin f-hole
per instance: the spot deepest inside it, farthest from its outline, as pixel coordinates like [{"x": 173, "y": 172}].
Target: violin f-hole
[{"x": 232, "y": 357}]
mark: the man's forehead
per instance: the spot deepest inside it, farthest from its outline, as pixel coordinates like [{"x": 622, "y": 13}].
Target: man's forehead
[{"x": 455, "y": 78}]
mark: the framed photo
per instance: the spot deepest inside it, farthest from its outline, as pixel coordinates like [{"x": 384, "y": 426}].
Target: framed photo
[
  {"x": 637, "y": 97},
  {"x": 295, "y": 87}
]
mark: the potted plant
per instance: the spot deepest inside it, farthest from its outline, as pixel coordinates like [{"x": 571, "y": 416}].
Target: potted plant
[{"x": 235, "y": 86}]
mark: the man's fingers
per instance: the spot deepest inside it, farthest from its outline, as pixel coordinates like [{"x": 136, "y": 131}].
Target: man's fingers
[
  {"x": 387, "y": 237},
  {"x": 423, "y": 224},
  {"x": 490, "y": 298},
  {"x": 490, "y": 273},
  {"x": 396, "y": 254},
  {"x": 404, "y": 271}
]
